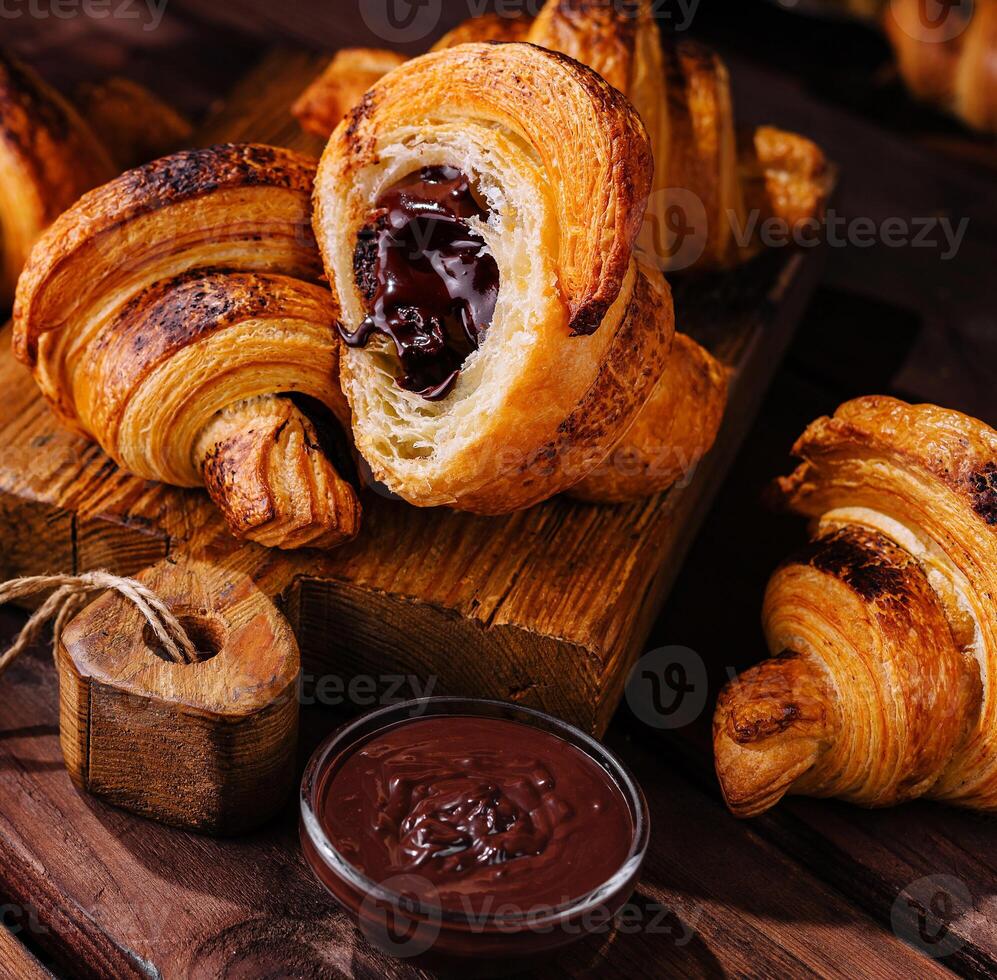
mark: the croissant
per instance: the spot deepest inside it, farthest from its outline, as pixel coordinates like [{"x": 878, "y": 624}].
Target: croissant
[
  {"x": 883, "y": 683},
  {"x": 948, "y": 57},
  {"x": 484, "y": 28},
  {"x": 477, "y": 214},
  {"x": 697, "y": 215},
  {"x": 321, "y": 107},
  {"x": 48, "y": 158},
  {"x": 675, "y": 429},
  {"x": 168, "y": 312}
]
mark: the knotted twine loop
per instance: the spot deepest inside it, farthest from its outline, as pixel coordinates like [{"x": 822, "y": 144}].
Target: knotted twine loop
[{"x": 72, "y": 592}]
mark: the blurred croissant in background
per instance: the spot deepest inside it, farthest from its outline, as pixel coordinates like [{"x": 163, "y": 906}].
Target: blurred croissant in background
[{"x": 51, "y": 150}]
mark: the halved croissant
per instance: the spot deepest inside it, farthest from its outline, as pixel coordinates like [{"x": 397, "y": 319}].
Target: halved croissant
[
  {"x": 48, "y": 158},
  {"x": 167, "y": 312},
  {"x": 884, "y": 683},
  {"x": 559, "y": 165}
]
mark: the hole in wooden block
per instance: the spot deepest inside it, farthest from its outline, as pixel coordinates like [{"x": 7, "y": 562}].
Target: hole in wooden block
[{"x": 208, "y": 636}]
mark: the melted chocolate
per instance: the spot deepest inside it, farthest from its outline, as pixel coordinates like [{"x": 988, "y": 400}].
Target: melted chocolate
[
  {"x": 485, "y": 811},
  {"x": 427, "y": 279}
]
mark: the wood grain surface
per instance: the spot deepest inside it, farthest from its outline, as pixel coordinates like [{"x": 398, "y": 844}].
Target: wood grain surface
[
  {"x": 16, "y": 961},
  {"x": 120, "y": 896}
]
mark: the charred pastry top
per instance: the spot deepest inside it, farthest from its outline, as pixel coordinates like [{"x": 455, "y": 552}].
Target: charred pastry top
[{"x": 155, "y": 187}]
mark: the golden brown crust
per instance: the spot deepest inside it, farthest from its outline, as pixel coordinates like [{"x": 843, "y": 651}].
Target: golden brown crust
[
  {"x": 683, "y": 95},
  {"x": 602, "y": 35},
  {"x": 132, "y": 123},
  {"x": 178, "y": 300},
  {"x": 322, "y": 106},
  {"x": 877, "y": 700},
  {"x": 674, "y": 430},
  {"x": 785, "y": 176},
  {"x": 264, "y": 468},
  {"x": 899, "y": 583},
  {"x": 48, "y": 158},
  {"x": 702, "y": 127},
  {"x": 611, "y": 405},
  {"x": 352, "y": 71},
  {"x": 158, "y": 189},
  {"x": 622, "y": 43}
]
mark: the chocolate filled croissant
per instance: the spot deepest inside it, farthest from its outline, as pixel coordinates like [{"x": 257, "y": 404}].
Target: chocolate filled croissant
[
  {"x": 477, "y": 214},
  {"x": 48, "y": 158},
  {"x": 883, "y": 683},
  {"x": 167, "y": 315}
]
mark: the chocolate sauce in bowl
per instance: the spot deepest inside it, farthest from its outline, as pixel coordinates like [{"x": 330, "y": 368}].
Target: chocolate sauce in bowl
[
  {"x": 488, "y": 812},
  {"x": 427, "y": 279}
]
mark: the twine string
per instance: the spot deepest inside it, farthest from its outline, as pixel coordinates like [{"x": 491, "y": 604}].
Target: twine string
[{"x": 72, "y": 592}]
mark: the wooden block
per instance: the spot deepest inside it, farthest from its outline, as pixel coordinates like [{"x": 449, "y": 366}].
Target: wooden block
[
  {"x": 209, "y": 746},
  {"x": 548, "y": 608}
]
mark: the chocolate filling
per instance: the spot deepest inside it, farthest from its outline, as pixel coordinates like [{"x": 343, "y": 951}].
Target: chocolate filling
[{"x": 427, "y": 279}]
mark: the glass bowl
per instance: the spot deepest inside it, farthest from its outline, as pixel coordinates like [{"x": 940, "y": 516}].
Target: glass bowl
[{"x": 393, "y": 916}]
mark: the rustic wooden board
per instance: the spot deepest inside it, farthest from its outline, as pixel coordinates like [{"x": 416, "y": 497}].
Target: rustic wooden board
[
  {"x": 548, "y": 607},
  {"x": 108, "y": 894}
]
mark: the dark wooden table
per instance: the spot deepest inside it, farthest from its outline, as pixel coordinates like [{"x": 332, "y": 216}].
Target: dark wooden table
[{"x": 814, "y": 888}]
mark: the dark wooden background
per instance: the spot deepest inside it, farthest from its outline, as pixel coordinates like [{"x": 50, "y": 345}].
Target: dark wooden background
[{"x": 812, "y": 888}]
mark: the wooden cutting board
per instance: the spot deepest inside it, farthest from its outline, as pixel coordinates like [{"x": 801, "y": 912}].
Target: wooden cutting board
[{"x": 549, "y": 607}]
